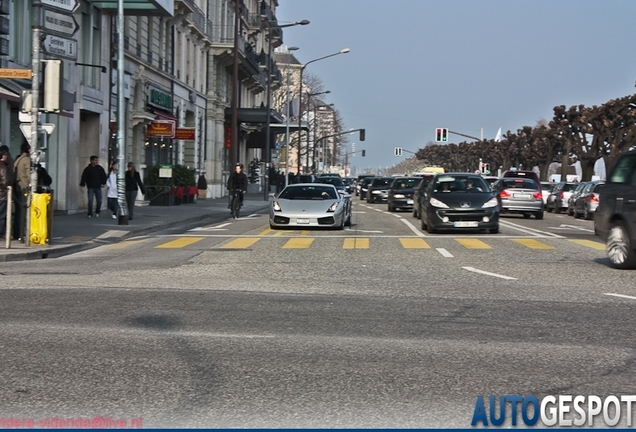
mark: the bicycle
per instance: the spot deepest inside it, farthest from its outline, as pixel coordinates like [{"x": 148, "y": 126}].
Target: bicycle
[{"x": 235, "y": 203}]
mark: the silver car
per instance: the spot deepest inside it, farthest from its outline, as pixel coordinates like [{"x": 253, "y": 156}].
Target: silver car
[
  {"x": 519, "y": 195},
  {"x": 586, "y": 203},
  {"x": 305, "y": 205}
]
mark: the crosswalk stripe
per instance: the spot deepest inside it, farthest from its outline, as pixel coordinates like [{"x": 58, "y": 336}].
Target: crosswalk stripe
[
  {"x": 298, "y": 243},
  {"x": 124, "y": 244},
  {"x": 355, "y": 243},
  {"x": 472, "y": 243},
  {"x": 265, "y": 232},
  {"x": 589, "y": 243},
  {"x": 533, "y": 244},
  {"x": 240, "y": 243},
  {"x": 179, "y": 243},
  {"x": 414, "y": 243}
]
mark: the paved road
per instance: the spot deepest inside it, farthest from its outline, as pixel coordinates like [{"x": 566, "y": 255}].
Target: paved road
[{"x": 231, "y": 324}]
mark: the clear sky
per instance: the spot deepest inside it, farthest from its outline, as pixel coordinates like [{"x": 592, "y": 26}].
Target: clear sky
[{"x": 467, "y": 65}]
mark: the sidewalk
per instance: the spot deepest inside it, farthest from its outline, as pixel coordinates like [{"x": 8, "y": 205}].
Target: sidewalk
[{"x": 76, "y": 232}]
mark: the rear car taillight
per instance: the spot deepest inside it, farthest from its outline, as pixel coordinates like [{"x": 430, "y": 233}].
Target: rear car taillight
[
  {"x": 504, "y": 194},
  {"x": 561, "y": 194},
  {"x": 593, "y": 198},
  {"x": 538, "y": 195}
]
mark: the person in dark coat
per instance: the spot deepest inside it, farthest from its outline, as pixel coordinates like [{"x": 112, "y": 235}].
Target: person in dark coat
[
  {"x": 237, "y": 181},
  {"x": 94, "y": 178},
  {"x": 6, "y": 180},
  {"x": 133, "y": 185}
]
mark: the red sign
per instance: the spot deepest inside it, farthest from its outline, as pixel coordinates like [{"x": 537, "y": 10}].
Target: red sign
[
  {"x": 184, "y": 134},
  {"x": 161, "y": 128},
  {"x": 228, "y": 137}
]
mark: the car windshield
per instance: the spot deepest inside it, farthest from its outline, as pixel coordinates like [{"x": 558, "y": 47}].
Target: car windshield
[
  {"x": 405, "y": 183},
  {"x": 381, "y": 182},
  {"x": 336, "y": 181},
  {"x": 519, "y": 183},
  {"x": 460, "y": 184},
  {"x": 308, "y": 193}
]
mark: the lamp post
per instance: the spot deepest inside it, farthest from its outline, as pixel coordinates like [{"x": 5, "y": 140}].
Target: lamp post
[
  {"x": 268, "y": 150},
  {"x": 322, "y": 151},
  {"x": 287, "y": 116},
  {"x": 300, "y": 94},
  {"x": 309, "y": 95}
]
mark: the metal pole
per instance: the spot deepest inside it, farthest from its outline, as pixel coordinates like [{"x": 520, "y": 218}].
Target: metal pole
[
  {"x": 268, "y": 150},
  {"x": 35, "y": 120},
  {"x": 235, "y": 91},
  {"x": 121, "y": 118},
  {"x": 300, "y": 115},
  {"x": 288, "y": 115}
]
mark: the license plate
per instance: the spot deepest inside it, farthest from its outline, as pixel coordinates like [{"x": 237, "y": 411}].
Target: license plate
[
  {"x": 525, "y": 196},
  {"x": 409, "y": 201},
  {"x": 302, "y": 221},
  {"x": 464, "y": 224}
]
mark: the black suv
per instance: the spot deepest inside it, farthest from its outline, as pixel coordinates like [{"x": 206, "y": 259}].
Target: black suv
[{"x": 615, "y": 216}]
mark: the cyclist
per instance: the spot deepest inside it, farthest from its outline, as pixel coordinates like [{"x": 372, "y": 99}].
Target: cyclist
[{"x": 237, "y": 181}]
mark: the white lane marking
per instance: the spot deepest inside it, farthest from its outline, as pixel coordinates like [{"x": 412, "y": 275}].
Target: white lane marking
[
  {"x": 358, "y": 212},
  {"x": 413, "y": 228},
  {"x": 445, "y": 253},
  {"x": 473, "y": 269},
  {"x": 366, "y": 231},
  {"x": 620, "y": 295},
  {"x": 379, "y": 210},
  {"x": 528, "y": 230},
  {"x": 564, "y": 226},
  {"x": 396, "y": 215}
]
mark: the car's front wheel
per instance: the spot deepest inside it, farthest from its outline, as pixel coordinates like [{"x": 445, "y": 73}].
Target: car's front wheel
[{"x": 620, "y": 252}]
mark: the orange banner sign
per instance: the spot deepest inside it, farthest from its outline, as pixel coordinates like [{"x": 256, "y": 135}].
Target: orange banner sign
[
  {"x": 184, "y": 134},
  {"x": 161, "y": 128}
]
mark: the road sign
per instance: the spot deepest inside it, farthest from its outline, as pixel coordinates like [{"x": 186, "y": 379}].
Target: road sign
[
  {"x": 67, "y": 5},
  {"x": 16, "y": 73},
  {"x": 60, "y": 23},
  {"x": 60, "y": 46},
  {"x": 26, "y": 129}
]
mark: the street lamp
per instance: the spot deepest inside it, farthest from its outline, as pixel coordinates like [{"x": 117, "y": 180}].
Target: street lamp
[
  {"x": 322, "y": 149},
  {"x": 309, "y": 95},
  {"x": 268, "y": 150},
  {"x": 287, "y": 116},
  {"x": 300, "y": 96}
]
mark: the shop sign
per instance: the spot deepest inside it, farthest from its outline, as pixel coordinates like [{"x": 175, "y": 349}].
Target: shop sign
[
  {"x": 161, "y": 128},
  {"x": 185, "y": 134},
  {"x": 159, "y": 98}
]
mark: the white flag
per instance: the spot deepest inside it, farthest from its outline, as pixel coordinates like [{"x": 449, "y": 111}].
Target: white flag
[{"x": 498, "y": 137}]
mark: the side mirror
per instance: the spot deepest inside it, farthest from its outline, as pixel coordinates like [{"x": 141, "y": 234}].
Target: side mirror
[{"x": 272, "y": 195}]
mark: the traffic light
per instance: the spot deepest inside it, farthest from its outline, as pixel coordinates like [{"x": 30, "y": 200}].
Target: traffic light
[
  {"x": 364, "y": 153},
  {"x": 441, "y": 135},
  {"x": 398, "y": 151},
  {"x": 53, "y": 86},
  {"x": 361, "y": 134}
]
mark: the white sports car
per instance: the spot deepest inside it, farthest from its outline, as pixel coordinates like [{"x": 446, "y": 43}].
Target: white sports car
[{"x": 310, "y": 205}]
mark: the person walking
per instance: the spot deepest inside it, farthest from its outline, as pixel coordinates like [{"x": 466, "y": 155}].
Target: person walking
[
  {"x": 111, "y": 190},
  {"x": 94, "y": 178},
  {"x": 6, "y": 180},
  {"x": 22, "y": 181},
  {"x": 133, "y": 184},
  {"x": 237, "y": 181}
]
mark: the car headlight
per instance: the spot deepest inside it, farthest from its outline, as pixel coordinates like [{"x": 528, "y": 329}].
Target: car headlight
[
  {"x": 333, "y": 207},
  {"x": 398, "y": 196},
  {"x": 276, "y": 206},
  {"x": 437, "y": 203},
  {"x": 375, "y": 192},
  {"x": 492, "y": 202}
]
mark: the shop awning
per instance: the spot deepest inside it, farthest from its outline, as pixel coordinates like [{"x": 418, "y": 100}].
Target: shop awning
[
  {"x": 138, "y": 7},
  {"x": 254, "y": 115},
  {"x": 7, "y": 94}
]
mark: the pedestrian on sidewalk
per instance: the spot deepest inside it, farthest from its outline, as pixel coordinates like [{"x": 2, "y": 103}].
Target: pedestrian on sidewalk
[
  {"x": 133, "y": 185},
  {"x": 94, "y": 178},
  {"x": 22, "y": 181},
  {"x": 6, "y": 180},
  {"x": 111, "y": 189},
  {"x": 237, "y": 181}
]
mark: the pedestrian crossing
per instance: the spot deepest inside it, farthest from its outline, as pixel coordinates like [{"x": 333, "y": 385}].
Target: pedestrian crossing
[{"x": 299, "y": 241}]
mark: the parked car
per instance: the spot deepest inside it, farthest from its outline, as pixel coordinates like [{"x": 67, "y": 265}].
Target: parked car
[
  {"x": 459, "y": 201},
  {"x": 401, "y": 193},
  {"x": 519, "y": 195},
  {"x": 364, "y": 186},
  {"x": 521, "y": 173},
  {"x": 378, "y": 189},
  {"x": 546, "y": 189},
  {"x": 615, "y": 216},
  {"x": 573, "y": 196},
  {"x": 310, "y": 205},
  {"x": 558, "y": 199},
  {"x": 587, "y": 202},
  {"x": 419, "y": 193}
]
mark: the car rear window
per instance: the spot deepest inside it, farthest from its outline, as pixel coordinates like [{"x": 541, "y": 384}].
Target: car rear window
[
  {"x": 519, "y": 183},
  {"x": 625, "y": 170},
  {"x": 569, "y": 187}
]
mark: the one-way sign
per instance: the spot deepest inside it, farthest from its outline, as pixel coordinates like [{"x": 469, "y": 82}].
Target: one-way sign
[
  {"x": 60, "y": 23},
  {"x": 60, "y": 46}
]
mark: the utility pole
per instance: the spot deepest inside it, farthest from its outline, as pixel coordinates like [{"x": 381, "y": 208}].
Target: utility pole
[{"x": 121, "y": 118}]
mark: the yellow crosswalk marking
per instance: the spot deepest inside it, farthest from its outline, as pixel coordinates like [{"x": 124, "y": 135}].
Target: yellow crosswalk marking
[
  {"x": 472, "y": 243},
  {"x": 414, "y": 243},
  {"x": 304, "y": 233},
  {"x": 298, "y": 243},
  {"x": 240, "y": 243},
  {"x": 179, "y": 243},
  {"x": 590, "y": 244},
  {"x": 533, "y": 244},
  {"x": 355, "y": 243},
  {"x": 125, "y": 244},
  {"x": 265, "y": 232}
]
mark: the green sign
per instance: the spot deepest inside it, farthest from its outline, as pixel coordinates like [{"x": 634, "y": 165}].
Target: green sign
[{"x": 159, "y": 98}]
